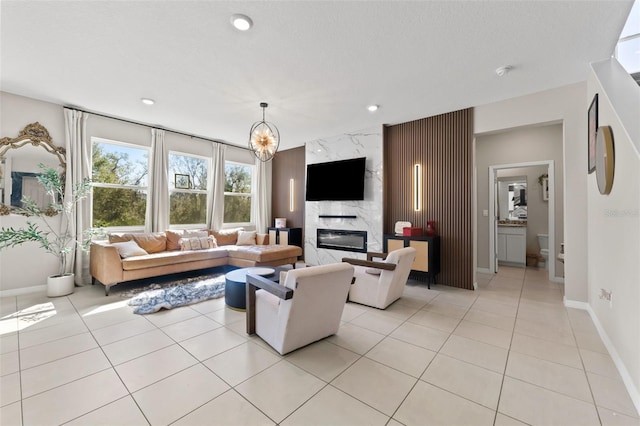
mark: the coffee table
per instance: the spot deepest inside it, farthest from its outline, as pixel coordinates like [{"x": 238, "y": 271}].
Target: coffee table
[{"x": 235, "y": 293}]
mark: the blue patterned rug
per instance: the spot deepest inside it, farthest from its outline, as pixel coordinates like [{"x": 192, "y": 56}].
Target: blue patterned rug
[{"x": 180, "y": 293}]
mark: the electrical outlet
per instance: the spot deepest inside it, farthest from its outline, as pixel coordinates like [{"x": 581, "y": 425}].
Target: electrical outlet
[{"x": 485, "y": 213}]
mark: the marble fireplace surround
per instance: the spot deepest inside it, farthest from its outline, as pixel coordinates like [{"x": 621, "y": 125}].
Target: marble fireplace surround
[{"x": 365, "y": 215}]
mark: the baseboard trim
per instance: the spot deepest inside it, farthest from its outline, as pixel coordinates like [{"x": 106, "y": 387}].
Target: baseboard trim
[
  {"x": 23, "y": 290},
  {"x": 622, "y": 369},
  {"x": 483, "y": 270}
]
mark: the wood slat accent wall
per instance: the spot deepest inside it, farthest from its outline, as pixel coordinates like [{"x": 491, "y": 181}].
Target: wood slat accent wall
[
  {"x": 443, "y": 145},
  {"x": 288, "y": 164}
]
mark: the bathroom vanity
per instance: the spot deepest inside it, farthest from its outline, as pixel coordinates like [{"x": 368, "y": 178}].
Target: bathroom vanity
[{"x": 512, "y": 244}]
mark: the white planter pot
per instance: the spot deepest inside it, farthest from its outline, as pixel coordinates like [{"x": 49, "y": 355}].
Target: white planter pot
[{"x": 60, "y": 285}]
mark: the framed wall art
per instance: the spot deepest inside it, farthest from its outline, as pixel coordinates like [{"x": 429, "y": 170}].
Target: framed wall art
[{"x": 592, "y": 118}]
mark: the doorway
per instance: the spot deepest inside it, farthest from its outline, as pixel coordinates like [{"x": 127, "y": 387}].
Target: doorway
[{"x": 507, "y": 215}]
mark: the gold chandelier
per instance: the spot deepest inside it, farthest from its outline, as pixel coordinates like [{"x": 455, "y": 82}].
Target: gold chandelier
[{"x": 264, "y": 138}]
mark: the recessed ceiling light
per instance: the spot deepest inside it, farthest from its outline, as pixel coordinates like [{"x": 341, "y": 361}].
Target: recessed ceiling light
[
  {"x": 147, "y": 101},
  {"x": 372, "y": 108},
  {"x": 241, "y": 22}
]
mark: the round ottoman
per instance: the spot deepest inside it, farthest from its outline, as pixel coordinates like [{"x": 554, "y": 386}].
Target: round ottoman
[{"x": 235, "y": 289}]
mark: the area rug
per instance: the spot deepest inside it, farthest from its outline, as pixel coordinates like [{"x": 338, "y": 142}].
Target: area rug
[{"x": 178, "y": 293}]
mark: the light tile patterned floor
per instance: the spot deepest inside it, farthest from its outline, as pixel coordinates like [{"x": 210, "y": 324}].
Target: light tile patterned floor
[{"x": 507, "y": 354}]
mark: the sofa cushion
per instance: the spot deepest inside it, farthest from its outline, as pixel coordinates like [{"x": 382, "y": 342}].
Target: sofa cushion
[
  {"x": 226, "y": 237},
  {"x": 198, "y": 243},
  {"x": 246, "y": 238},
  {"x": 128, "y": 249},
  {"x": 171, "y": 257},
  {"x": 196, "y": 233},
  {"x": 120, "y": 237},
  {"x": 151, "y": 242},
  {"x": 263, "y": 253},
  {"x": 173, "y": 238}
]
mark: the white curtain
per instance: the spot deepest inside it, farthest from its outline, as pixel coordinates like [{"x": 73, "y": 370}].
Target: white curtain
[
  {"x": 158, "y": 207},
  {"x": 261, "y": 205},
  {"x": 78, "y": 168},
  {"x": 215, "y": 185}
]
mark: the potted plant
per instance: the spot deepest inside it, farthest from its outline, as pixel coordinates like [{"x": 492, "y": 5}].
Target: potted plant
[{"x": 58, "y": 242}]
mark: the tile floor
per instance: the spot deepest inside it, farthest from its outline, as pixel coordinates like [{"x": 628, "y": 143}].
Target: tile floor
[{"x": 507, "y": 354}]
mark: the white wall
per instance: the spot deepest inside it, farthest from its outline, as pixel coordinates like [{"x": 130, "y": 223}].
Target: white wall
[
  {"x": 366, "y": 143},
  {"x": 565, "y": 104},
  {"x": 539, "y": 143},
  {"x": 614, "y": 220},
  {"x": 27, "y": 265}
]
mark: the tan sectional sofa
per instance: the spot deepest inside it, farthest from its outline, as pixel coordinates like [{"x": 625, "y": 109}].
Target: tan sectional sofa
[{"x": 110, "y": 264}]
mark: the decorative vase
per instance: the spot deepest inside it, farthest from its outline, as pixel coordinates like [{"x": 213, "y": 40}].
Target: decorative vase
[
  {"x": 431, "y": 229},
  {"x": 60, "y": 285}
]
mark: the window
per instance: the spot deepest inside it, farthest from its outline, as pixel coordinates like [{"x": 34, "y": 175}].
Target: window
[
  {"x": 187, "y": 189},
  {"x": 237, "y": 192},
  {"x": 119, "y": 174},
  {"x": 628, "y": 49}
]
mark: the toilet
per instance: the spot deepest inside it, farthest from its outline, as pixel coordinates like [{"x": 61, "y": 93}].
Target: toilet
[{"x": 543, "y": 242}]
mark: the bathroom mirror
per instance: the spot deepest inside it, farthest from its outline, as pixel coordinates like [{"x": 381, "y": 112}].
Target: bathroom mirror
[
  {"x": 19, "y": 160},
  {"x": 512, "y": 198}
]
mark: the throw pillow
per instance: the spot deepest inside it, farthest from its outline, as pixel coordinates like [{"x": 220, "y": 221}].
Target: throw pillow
[
  {"x": 120, "y": 237},
  {"x": 197, "y": 243},
  {"x": 373, "y": 271},
  {"x": 196, "y": 233},
  {"x": 226, "y": 237},
  {"x": 246, "y": 238},
  {"x": 129, "y": 249},
  {"x": 152, "y": 243}
]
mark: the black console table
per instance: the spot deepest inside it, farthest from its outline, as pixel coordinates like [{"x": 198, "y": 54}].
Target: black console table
[{"x": 427, "y": 262}]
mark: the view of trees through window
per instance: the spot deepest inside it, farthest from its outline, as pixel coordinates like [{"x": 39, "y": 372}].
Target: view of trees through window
[
  {"x": 237, "y": 193},
  {"x": 188, "y": 205},
  {"x": 119, "y": 176}
]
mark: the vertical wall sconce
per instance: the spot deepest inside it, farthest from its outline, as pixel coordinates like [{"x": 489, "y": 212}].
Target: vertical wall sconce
[
  {"x": 417, "y": 187},
  {"x": 291, "y": 196}
]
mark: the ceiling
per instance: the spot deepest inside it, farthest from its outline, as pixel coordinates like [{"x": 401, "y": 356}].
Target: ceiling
[{"x": 317, "y": 63}]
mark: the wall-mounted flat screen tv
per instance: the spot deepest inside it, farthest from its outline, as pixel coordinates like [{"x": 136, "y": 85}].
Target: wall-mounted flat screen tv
[{"x": 336, "y": 180}]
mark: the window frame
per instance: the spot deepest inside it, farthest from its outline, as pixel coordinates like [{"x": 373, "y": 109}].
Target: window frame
[
  {"x": 108, "y": 229},
  {"x": 188, "y": 191},
  {"x": 250, "y": 194}
]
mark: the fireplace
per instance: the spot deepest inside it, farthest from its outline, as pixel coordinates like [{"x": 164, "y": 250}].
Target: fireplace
[{"x": 339, "y": 239}]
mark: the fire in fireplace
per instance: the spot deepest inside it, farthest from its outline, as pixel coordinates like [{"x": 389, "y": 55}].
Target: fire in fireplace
[{"x": 340, "y": 239}]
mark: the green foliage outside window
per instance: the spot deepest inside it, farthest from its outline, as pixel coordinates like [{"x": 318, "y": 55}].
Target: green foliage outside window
[
  {"x": 188, "y": 206},
  {"x": 121, "y": 205},
  {"x": 237, "y": 205},
  {"x": 118, "y": 207},
  {"x": 237, "y": 209}
]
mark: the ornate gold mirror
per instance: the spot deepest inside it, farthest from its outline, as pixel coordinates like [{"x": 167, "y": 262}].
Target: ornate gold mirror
[{"x": 19, "y": 160}]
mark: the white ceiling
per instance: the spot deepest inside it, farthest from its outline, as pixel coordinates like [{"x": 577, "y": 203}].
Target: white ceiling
[{"x": 317, "y": 63}]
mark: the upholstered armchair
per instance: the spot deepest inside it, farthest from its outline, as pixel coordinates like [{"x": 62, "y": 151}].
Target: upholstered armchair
[
  {"x": 305, "y": 308},
  {"x": 380, "y": 283}
]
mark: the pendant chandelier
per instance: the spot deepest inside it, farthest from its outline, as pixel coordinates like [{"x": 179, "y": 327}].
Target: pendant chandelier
[{"x": 264, "y": 138}]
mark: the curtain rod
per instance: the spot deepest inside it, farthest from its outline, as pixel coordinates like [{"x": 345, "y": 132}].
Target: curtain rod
[{"x": 156, "y": 127}]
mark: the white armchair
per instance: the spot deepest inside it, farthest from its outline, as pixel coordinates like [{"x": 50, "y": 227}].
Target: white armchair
[
  {"x": 306, "y": 308},
  {"x": 379, "y": 284}
]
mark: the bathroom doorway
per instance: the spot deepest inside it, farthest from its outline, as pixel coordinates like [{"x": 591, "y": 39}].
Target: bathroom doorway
[{"x": 512, "y": 190}]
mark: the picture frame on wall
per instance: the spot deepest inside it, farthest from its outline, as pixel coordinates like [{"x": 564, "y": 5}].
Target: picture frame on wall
[
  {"x": 182, "y": 181},
  {"x": 593, "y": 130}
]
